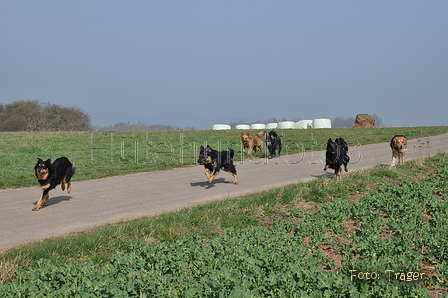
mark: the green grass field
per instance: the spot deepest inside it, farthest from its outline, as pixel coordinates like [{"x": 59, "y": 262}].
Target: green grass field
[{"x": 103, "y": 154}]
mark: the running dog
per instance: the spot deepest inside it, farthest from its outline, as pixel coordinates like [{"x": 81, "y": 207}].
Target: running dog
[
  {"x": 273, "y": 143},
  {"x": 252, "y": 142},
  {"x": 49, "y": 175},
  {"x": 213, "y": 161},
  {"x": 336, "y": 156},
  {"x": 399, "y": 146}
]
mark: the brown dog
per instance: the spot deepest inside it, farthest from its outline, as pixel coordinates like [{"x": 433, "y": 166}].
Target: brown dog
[
  {"x": 252, "y": 142},
  {"x": 399, "y": 146}
]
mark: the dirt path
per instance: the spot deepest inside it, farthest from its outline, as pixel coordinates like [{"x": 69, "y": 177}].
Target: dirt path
[{"x": 97, "y": 202}]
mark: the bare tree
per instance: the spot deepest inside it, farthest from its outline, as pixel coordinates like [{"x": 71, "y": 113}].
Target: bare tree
[{"x": 30, "y": 115}]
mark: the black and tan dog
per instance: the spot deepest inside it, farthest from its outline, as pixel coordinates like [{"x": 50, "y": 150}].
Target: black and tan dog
[
  {"x": 252, "y": 142},
  {"x": 336, "y": 156},
  {"x": 399, "y": 146},
  {"x": 213, "y": 161},
  {"x": 49, "y": 175},
  {"x": 273, "y": 143}
]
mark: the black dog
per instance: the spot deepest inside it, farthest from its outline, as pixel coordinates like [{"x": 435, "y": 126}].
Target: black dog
[
  {"x": 213, "y": 161},
  {"x": 273, "y": 143},
  {"x": 336, "y": 156},
  {"x": 51, "y": 175}
]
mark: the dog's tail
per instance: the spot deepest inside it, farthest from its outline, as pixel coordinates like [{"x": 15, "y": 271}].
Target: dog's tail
[
  {"x": 73, "y": 169},
  {"x": 231, "y": 152},
  {"x": 261, "y": 133}
]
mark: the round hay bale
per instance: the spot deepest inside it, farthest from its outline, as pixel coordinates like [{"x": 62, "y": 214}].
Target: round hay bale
[
  {"x": 285, "y": 124},
  {"x": 364, "y": 121},
  {"x": 258, "y": 126},
  {"x": 220, "y": 127},
  {"x": 322, "y": 123},
  {"x": 271, "y": 125},
  {"x": 242, "y": 126},
  {"x": 303, "y": 124}
]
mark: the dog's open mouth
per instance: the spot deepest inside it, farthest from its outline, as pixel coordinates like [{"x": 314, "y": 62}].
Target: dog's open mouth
[{"x": 204, "y": 160}]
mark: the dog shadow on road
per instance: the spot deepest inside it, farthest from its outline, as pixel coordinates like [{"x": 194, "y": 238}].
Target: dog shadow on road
[
  {"x": 324, "y": 175},
  {"x": 207, "y": 185},
  {"x": 56, "y": 200},
  {"x": 382, "y": 165}
]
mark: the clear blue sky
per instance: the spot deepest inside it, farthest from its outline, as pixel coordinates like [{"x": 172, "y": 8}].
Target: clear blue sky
[{"x": 197, "y": 63}]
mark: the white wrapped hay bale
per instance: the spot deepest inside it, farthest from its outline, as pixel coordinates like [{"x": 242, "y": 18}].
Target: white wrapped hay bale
[
  {"x": 271, "y": 125},
  {"x": 322, "y": 123},
  {"x": 303, "y": 124},
  {"x": 258, "y": 126},
  {"x": 285, "y": 124},
  {"x": 220, "y": 127},
  {"x": 242, "y": 126}
]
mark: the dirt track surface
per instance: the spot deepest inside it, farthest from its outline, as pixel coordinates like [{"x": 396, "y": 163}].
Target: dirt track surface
[{"x": 97, "y": 202}]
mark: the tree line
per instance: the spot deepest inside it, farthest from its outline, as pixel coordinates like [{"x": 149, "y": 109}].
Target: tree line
[
  {"x": 121, "y": 126},
  {"x": 31, "y": 115}
]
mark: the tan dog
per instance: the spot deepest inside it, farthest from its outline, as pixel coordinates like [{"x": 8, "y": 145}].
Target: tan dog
[
  {"x": 250, "y": 142},
  {"x": 399, "y": 146}
]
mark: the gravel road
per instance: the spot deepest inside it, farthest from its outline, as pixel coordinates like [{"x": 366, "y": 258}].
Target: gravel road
[{"x": 97, "y": 202}]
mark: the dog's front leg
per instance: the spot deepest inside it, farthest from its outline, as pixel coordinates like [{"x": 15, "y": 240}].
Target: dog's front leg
[
  {"x": 339, "y": 178},
  {"x": 393, "y": 161},
  {"x": 207, "y": 174},
  {"x": 402, "y": 156},
  {"x": 210, "y": 179},
  {"x": 337, "y": 170},
  {"x": 37, "y": 207},
  {"x": 235, "y": 178},
  {"x": 44, "y": 197},
  {"x": 46, "y": 200}
]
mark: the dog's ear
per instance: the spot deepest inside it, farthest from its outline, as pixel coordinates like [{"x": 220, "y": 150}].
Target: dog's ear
[
  {"x": 209, "y": 148},
  {"x": 202, "y": 148},
  {"x": 330, "y": 141},
  {"x": 39, "y": 160}
]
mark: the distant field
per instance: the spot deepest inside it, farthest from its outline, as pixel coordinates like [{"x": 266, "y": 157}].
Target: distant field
[{"x": 103, "y": 154}]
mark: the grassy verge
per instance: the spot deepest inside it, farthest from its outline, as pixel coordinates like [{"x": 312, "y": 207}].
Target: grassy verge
[
  {"x": 375, "y": 221},
  {"x": 103, "y": 154}
]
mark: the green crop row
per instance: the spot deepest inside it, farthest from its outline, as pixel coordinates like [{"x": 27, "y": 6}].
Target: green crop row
[{"x": 392, "y": 242}]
